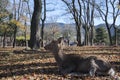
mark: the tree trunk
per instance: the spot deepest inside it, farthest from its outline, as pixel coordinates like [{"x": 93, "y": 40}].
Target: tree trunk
[
  {"x": 79, "y": 36},
  {"x": 35, "y": 36},
  {"x": 87, "y": 38},
  {"x": 4, "y": 39},
  {"x": 18, "y": 17},
  {"x": 26, "y": 42},
  {"x": 43, "y": 23},
  {"x": 14, "y": 41},
  {"x": 115, "y": 36},
  {"x": 86, "y": 35},
  {"x": 92, "y": 36},
  {"x": 110, "y": 36},
  {"x": 42, "y": 33},
  {"x": 15, "y": 27}
]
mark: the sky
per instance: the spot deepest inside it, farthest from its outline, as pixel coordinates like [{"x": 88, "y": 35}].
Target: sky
[
  {"x": 56, "y": 12},
  {"x": 57, "y": 9}
]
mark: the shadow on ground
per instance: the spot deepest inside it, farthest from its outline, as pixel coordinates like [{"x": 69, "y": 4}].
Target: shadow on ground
[
  {"x": 37, "y": 68},
  {"x": 47, "y": 67},
  {"x": 21, "y": 69}
]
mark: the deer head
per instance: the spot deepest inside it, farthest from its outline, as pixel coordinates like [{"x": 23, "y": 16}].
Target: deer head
[{"x": 55, "y": 45}]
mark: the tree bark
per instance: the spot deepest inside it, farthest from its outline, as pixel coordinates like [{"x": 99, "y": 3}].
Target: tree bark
[
  {"x": 43, "y": 23},
  {"x": 79, "y": 36},
  {"x": 4, "y": 39},
  {"x": 92, "y": 36},
  {"x": 92, "y": 23},
  {"x": 42, "y": 33},
  {"x": 116, "y": 37},
  {"x": 110, "y": 36},
  {"x": 34, "y": 42},
  {"x": 18, "y": 17},
  {"x": 14, "y": 41},
  {"x": 14, "y": 35}
]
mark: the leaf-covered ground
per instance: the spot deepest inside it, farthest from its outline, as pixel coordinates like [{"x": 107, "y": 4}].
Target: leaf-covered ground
[{"x": 20, "y": 64}]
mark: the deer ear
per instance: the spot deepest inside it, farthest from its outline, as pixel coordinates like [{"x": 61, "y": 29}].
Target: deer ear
[{"x": 60, "y": 40}]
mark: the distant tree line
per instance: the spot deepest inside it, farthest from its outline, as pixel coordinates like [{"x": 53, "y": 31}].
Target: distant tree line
[
  {"x": 12, "y": 21},
  {"x": 15, "y": 18},
  {"x": 85, "y": 11}
]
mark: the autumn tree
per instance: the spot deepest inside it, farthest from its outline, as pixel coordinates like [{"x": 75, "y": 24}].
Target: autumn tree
[
  {"x": 34, "y": 42},
  {"x": 5, "y": 17},
  {"x": 25, "y": 18},
  {"x": 6, "y": 30},
  {"x": 16, "y": 16}
]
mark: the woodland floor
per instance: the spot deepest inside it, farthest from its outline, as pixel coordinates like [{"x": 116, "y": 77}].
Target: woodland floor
[{"x": 20, "y": 64}]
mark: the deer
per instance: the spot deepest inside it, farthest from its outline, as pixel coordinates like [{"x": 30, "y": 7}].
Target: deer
[{"x": 71, "y": 63}]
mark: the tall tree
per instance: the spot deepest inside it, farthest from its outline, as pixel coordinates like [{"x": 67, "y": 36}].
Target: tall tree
[
  {"x": 43, "y": 22},
  {"x": 34, "y": 42},
  {"x": 5, "y": 16},
  {"x": 76, "y": 12},
  {"x": 105, "y": 12},
  {"x": 115, "y": 14},
  {"x": 88, "y": 20},
  {"x": 16, "y": 17},
  {"x": 91, "y": 22},
  {"x": 25, "y": 16},
  {"x": 86, "y": 17}
]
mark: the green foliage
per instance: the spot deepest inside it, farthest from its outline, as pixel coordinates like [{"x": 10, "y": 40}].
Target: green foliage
[
  {"x": 101, "y": 35},
  {"x": 22, "y": 37},
  {"x": 118, "y": 37},
  {"x": 18, "y": 24},
  {"x": 6, "y": 28}
]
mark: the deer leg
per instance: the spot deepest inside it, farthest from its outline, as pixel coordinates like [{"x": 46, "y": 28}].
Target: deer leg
[
  {"x": 67, "y": 69},
  {"x": 93, "y": 68},
  {"x": 92, "y": 71},
  {"x": 111, "y": 72}
]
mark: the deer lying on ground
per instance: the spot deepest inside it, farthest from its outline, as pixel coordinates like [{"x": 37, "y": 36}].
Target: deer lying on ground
[{"x": 69, "y": 63}]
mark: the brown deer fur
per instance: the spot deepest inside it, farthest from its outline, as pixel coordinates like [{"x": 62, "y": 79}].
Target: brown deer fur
[{"x": 69, "y": 63}]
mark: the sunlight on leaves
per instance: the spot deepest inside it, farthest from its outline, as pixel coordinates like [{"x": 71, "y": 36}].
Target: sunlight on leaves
[{"x": 18, "y": 24}]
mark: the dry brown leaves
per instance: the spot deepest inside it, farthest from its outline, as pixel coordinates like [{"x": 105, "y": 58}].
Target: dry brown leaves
[{"x": 40, "y": 65}]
